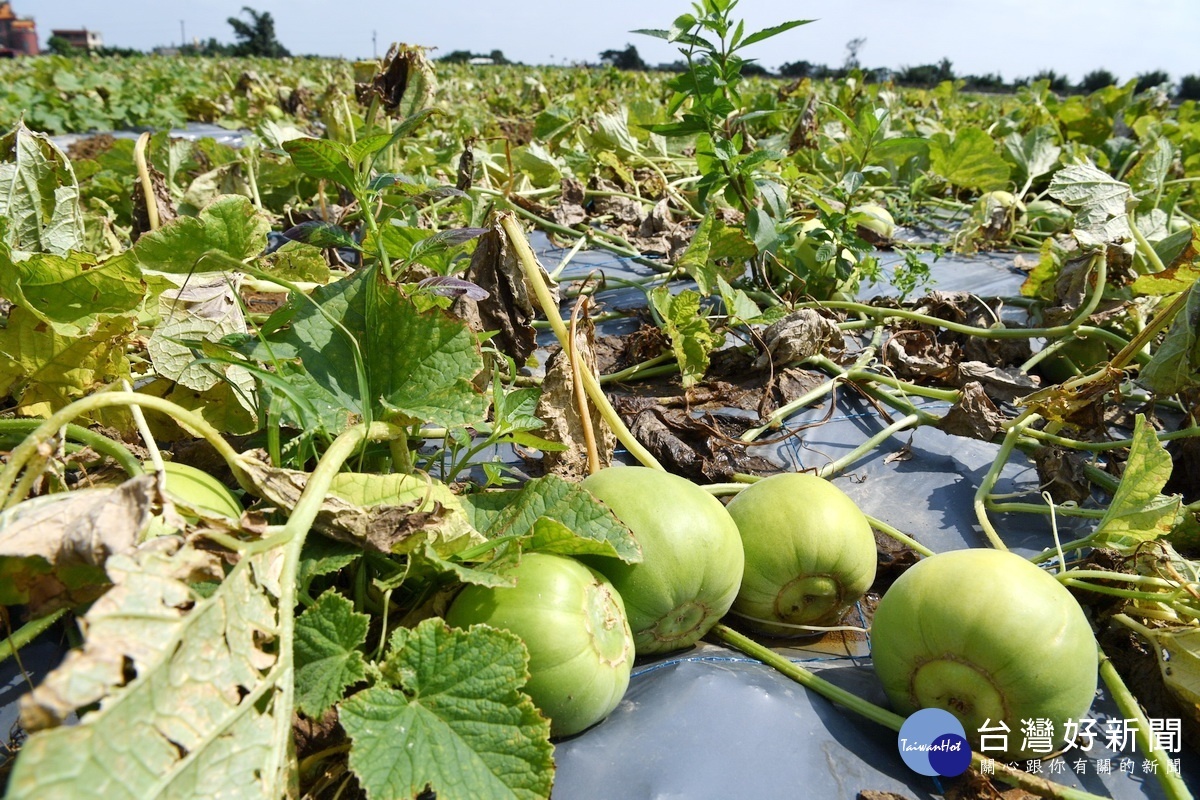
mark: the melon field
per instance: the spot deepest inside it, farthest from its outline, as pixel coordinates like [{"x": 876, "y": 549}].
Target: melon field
[{"x": 404, "y": 429}]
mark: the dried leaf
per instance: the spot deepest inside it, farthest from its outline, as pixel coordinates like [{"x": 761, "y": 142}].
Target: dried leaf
[
  {"x": 558, "y": 407},
  {"x": 1002, "y": 384},
  {"x": 53, "y": 548},
  {"x": 800, "y": 335},
  {"x": 1179, "y": 660},
  {"x": 1061, "y": 472},
  {"x": 974, "y": 415},
  {"x": 510, "y": 312},
  {"x": 162, "y": 202},
  {"x": 918, "y": 355},
  {"x": 393, "y": 513},
  {"x": 570, "y": 212},
  {"x": 404, "y": 82},
  {"x": 189, "y": 690},
  {"x": 687, "y": 446}
]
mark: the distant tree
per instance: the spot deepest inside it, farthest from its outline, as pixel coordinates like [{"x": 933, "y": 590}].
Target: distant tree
[
  {"x": 118, "y": 52},
  {"x": 1096, "y": 80},
  {"x": 457, "y": 57},
  {"x": 1189, "y": 88},
  {"x": 465, "y": 56},
  {"x": 926, "y": 74},
  {"x": 627, "y": 59},
  {"x": 990, "y": 82},
  {"x": 1058, "y": 83},
  {"x": 754, "y": 68},
  {"x": 1148, "y": 80},
  {"x": 256, "y": 37},
  {"x": 803, "y": 69},
  {"x": 61, "y": 47}
]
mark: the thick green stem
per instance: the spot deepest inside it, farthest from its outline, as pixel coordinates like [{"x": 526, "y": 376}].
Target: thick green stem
[
  {"x": 1171, "y": 784},
  {"x": 933, "y": 393},
  {"x": 1086, "y": 311},
  {"x": 1145, "y": 248},
  {"x": 898, "y": 535},
  {"x": 646, "y": 369},
  {"x": 25, "y": 634},
  {"x": 834, "y": 467},
  {"x": 533, "y": 275},
  {"x": 97, "y": 441},
  {"x": 1015, "y": 429},
  {"x": 1036, "y": 508},
  {"x": 373, "y": 226},
  {"x": 889, "y": 719},
  {"x": 299, "y": 523},
  {"x": 783, "y": 412},
  {"x": 28, "y": 449}
]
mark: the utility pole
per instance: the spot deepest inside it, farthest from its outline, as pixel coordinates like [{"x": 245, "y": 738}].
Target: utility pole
[
  {"x": 374, "y": 47},
  {"x": 182, "y": 35}
]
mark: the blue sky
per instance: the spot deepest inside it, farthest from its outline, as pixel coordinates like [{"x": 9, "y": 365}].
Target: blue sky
[{"x": 1012, "y": 37}]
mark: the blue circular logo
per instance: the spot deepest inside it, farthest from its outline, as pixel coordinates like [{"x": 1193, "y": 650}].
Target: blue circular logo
[{"x": 932, "y": 742}]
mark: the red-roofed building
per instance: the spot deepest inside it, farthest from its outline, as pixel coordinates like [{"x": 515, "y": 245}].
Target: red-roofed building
[{"x": 18, "y": 35}]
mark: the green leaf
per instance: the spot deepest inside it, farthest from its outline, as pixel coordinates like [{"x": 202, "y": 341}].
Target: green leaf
[
  {"x": 1148, "y": 173},
  {"x": 1099, "y": 201},
  {"x": 682, "y": 24},
  {"x": 739, "y": 307},
  {"x": 296, "y": 261},
  {"x": 612, "y": 133},
  {"x": 72, "y": 293},
  {"x": 899, "y": 151},
  {"x": 1170, "y": 281},
  {"x": 1035, "y": 153},
  {"x": 487, "y": 575},
  {"x": 418, "y": 364},
  {"x": 686, "y": 324},
  {"x": 323, "y": 158},
  {"x": 690, "y": 125},
  {"x": 321, "y": 235},
  {"x": 696, "y": 260},
  {"x": 366, "y": 147},
  {"x": 324, "y": 556},
  {"x": 762, "y": 229},
  {"x": 543, "y": 510},
  {"x": 45, "y": 370},
  {"x": 516, "y": 410},
  {"x": 542, "y": 167},
  {"x": 456, "y": 723},
  {"x": 1176, "y": 362},
  {"x": 39, "y": 196},
  {"x": 328, "y": 659},
  {"x": 774, "y": 30},
  {"x": 179, "y": 695},
  {"x": 1139, "y": 512},
  {"x": 968, "y": 160},
  {"x": 442, "y": 241},
  {"x": 421, "y": 364},
  {"x": 230, "y": 225}
]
